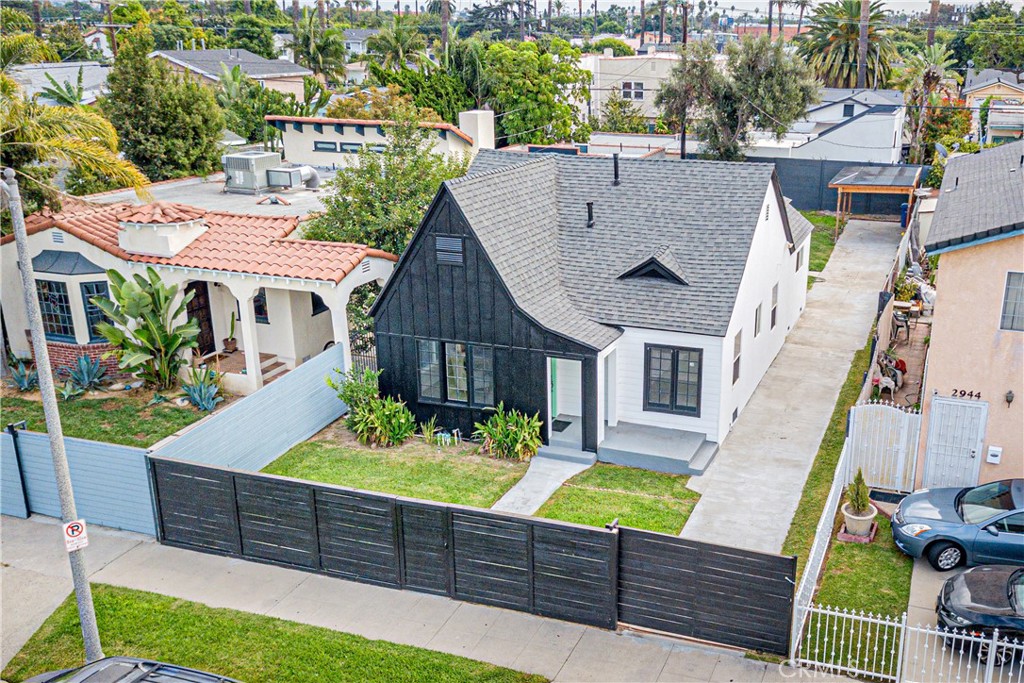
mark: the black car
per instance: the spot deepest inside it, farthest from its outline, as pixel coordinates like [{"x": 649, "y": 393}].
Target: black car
[
  {"x": 981, "y": 600},
  {"x": 129, "y": 670}
]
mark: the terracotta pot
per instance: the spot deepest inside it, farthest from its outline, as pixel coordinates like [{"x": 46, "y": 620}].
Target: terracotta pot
[
  {"x": 859, "y": 525},
  {"x": 230, "y": 345}
]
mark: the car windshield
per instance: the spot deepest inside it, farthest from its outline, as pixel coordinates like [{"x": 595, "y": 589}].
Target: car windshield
[
  {"x": 984, "y": 502},
  {"x": 1016, "y": 590}
]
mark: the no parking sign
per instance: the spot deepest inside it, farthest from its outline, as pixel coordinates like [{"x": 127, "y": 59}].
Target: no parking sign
[{"x": 75, "y": 535}]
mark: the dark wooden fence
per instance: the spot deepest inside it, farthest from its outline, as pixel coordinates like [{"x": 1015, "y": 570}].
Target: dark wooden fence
[{"x": 582, "y": 574}]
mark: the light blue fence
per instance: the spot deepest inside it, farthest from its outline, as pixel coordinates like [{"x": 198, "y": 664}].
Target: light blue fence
[
  {"x": 111, "y": 482},
  {"x": 253, "y": 432},
  {"x": 12, "y": 497}
]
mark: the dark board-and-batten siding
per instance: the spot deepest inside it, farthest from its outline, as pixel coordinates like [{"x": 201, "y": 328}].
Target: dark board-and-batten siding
[{"x": 469, "y": 303}]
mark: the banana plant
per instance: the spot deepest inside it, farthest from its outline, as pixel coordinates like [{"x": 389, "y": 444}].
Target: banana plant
[{"x": 141, "y": 326}]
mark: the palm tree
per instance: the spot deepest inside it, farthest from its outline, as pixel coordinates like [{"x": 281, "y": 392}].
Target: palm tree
[
  {"x": 32, "y": 133},
  {"x": 320, "y": 49},
  {"x": 927, "y": 74},
  {"x": 397, "y": 44},
  {"x": 803, "y": 6},
  {"x": 24, "y": 48},
  {"x": 781, "y": 33},
  {"x": 771, "y": 8},
  {"x": 559, "y": 7},
  {"x": 831, "y": 45}
]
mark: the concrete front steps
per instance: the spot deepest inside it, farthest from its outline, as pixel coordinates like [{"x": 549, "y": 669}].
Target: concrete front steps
[
  {"x": 696, "y": 465},
  {"x": 271, "y": 367}
]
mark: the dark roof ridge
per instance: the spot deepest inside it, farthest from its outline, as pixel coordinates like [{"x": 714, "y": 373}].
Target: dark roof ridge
[{"x": 482, "y": 175}]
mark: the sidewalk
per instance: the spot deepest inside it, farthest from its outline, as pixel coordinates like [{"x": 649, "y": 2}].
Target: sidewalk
[
  {"x": 559, "y": 650},
  {"x": 542, "y": 479},
  {"x": 751, "y": 490}
]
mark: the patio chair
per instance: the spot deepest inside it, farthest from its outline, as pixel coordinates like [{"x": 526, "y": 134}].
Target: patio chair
[{"x": 900, "y": 321}]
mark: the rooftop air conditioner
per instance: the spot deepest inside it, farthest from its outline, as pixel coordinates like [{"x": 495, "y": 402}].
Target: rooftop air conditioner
[
  {"x": 246, "y": 172},
  {"x": 293, "y": 176}
]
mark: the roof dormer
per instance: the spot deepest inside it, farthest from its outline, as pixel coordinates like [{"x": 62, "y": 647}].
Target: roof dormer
[{"x": 659, "y": 264}]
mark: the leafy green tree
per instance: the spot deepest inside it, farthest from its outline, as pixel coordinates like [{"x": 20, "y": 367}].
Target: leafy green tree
[
  {"x": 245, "y": 104},
  {"x": 169, "y": 126},
  {"x": 67, "y": 41},
  {"x": 926, "y": 74},
  {"x": 381, "y": 200},
  {"x": 619, "y": 115},
  {"x": 831, "y": 43},
  {"x": 398, "y": 44},
  {"x": 142, "y": 328},
  {"x": 15, "y": 21},
  {"x": 130, "y": 12},
  {"x": 762, "y": 87},
  {"x": 24, "y": 48},
  {"x": 983, "y": 116},
  {"x": 320, "y": 49},
  {"x": 381, "y": 104},
  {"x": 619, "y": 48},
  {"x": 534, "y": 92},
  {"x": 431, "y": 87},
  {"x": 997, "y": 43},
  {"x": 251, "y": 33}
]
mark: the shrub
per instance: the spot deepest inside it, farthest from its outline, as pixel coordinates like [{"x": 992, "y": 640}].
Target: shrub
[
  {"x": 858, "y": 495},
  {"x": 905, "y": 289},
  {"x": 23, "y": 377},
  {"x": 86, "y": 374},
  {"x": 429, "y": 429},
  {"x": 201, "y": 389},
  {"x": 510, "y": 434},
  {"x": 382, "y": 422},
  {"x": 355, "y": 389}
]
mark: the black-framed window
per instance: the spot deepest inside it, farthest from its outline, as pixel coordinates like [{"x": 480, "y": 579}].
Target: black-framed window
[
  {"x": 428, "y": 356},
  {"x": 455, "y": 372},
  {"x": 632, "y": 90},
  {"x": 775, "y": 305},
  {"x": 325, "y": 146},
  {"x": 55, "y": 306},
  {"x": 318, "y": 304},
  {"x": 93, "y": 314},
  {"x": 1013, "y": 303},
  {"x": 847, "y": 111},
  {"x": 672, "y": 379},
  {"x": 757, "y": 320},
  {"x": 737, "y": 349},
  {"x": 259, "y": 305}
]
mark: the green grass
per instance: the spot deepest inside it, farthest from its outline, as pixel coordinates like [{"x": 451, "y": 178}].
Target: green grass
[
  {"x": 449, "y": 475},
  {"x": 122, "y": 419},
  {"x": 819, "y": 481},
  {"x": 249, "y": 647},
  {"x": 821, "y": 239},
  {"x": 638, "y": 498},
  {"x": 873, "y": 577}
]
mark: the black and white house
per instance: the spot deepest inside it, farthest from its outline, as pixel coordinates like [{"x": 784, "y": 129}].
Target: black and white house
[{"x": 634, "y": 304}]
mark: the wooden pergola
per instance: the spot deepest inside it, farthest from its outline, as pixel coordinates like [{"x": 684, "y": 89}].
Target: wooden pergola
[{"x": 873, "y": 180}]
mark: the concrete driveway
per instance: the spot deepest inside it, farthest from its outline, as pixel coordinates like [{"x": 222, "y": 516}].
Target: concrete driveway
[
  {"x": 750, "y": 492},
  {"x": 35, "y": 576}
]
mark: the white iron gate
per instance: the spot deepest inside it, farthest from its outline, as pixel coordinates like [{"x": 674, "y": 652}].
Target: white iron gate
[
  {"x": 883, "y": 443},
  {"x": 956, "y": 429}
]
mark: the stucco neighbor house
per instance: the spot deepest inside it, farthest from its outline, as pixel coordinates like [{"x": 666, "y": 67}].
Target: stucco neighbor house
[
  {"x": 999, "y": 85},
  {"x": 973, "y": 400},
  {"x": 637, "y": 78},
  {"x": 637, "y": 329},
  {"x": 288, "y": 295},
  {"x": 207, "y": 65}
]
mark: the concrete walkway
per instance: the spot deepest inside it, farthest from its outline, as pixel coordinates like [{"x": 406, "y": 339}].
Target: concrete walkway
[
  {"x": 751, "y": 491},
  {"x": 558, "y": 650},
  {"x": 540, "y": 481},
  {"x": 925, "y": 584}
]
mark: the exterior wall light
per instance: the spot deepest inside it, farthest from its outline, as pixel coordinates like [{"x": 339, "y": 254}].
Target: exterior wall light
[{"x": 1009, "y": 398}]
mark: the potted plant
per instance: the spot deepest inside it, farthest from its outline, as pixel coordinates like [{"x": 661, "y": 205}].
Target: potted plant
[
  {"x": 231, "y": 344},
  {"x": 858, "y": 511}
]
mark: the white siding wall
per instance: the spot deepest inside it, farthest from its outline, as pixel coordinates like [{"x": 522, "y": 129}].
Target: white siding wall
[
  {"x": 769, "y": 262},
  {"x": 569, "y": 377},
  {"x": 629, "y": 392},
  {"x": 298, "y": 146}
]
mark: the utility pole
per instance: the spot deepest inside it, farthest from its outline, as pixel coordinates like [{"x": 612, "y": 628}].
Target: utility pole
[
  {"x": 61, "y": 472},
  {"x": 933, "y": 19},
  {"x": 862, "y": 44},
  {"x": 682, "y": 124}
]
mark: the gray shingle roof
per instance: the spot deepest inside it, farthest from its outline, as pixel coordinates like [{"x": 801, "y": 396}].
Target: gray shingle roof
[
  {"x": 799, "y": 227},
  {"x": 209, "y": 63},
  {"x": 862, "y": 95},
  {"x": 32, "y": 77},
  {"x": 982, "y": 195},
  {"x": 360, "y": 34},
  {"x": 529, "y": 212}
]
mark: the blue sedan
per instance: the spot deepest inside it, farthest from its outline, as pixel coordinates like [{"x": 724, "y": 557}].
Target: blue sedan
[{"x": 955, "y": 526}]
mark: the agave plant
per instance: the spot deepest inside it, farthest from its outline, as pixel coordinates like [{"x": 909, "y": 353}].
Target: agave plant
[
  {"x": 69, "y": 391},
  {"x": 23, "y": 377},
  {"x": 202, "y": 387},
  {"x": 146, "y": 339},
  {"x": 86, "y": 374}
]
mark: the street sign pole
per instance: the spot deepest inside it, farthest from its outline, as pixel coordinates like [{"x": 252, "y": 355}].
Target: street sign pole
[{"x": 83, "y": 593}]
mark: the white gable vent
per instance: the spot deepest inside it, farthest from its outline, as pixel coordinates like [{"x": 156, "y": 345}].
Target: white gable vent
[
  {"x": 449, "y": 250},
  {"x": 365, "y": 265},
  {"x": 58, "y": 236}
]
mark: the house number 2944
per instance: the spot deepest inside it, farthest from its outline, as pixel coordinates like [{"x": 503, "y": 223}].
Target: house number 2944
[{"x": 964, "y": 393}]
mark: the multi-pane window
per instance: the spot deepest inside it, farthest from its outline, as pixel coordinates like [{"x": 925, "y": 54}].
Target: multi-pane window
[
  {"x": 757, "y": 320},
  {"x": 457, "y": 379},
  {"x": 93, "y": 314},
  {"x": 55, "y": 307},
  {"x": 775, "y": 305},
  {"x": 429, "y": 360},
  {"x": 632, "y": 90},
  {"x": 737, "y": 348},
  {"x": 467, "y": 375},
  {"x": 259, "y": 304},
  {"x": 673, "y": 380},
  {"x": 1013, "y": 303}
]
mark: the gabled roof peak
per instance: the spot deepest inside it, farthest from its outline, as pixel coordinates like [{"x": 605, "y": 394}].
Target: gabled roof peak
[
  {"x": 657, "y": 263},
  {"x": 163, "y": 213}
]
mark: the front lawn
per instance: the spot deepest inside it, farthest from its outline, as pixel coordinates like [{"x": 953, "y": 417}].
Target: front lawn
[
  {"x": 248, "y": 647},
  {"x": 120, "y": 417},
  {"x": 822, "y": 241},
  {"x": 638, "y": 498},
  {"x": 452, "y": 474}
]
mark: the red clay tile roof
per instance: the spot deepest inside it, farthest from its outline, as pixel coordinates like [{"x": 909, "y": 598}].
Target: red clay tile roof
[
  {"x": 237, "y": 243},
  {"x": 440, "y": 125}
]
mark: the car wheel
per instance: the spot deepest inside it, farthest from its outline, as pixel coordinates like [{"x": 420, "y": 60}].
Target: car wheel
[
  {"x": 1000, "y": 657},
  {"x": 944, "y": 556}
]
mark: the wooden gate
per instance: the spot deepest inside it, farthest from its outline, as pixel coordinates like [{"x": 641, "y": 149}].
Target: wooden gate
[{"x": 883, "y": 444}]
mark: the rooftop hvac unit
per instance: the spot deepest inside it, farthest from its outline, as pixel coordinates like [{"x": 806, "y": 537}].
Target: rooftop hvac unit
[
  {"x": 246, "y": 172},
  {"x": 293, "y": 176}
]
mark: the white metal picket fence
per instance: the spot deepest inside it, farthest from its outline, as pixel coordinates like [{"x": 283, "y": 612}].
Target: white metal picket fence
[
  {"x": 882, "y": 442},
  {"x": 886, "y": 648}
]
